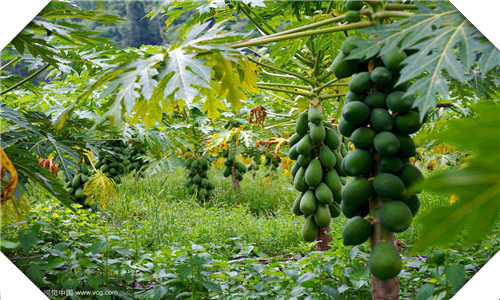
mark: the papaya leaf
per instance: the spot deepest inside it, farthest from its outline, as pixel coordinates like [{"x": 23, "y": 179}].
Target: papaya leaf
[
  {"x": 100, "y": 189},
  {"x": 477, "y": 184}
]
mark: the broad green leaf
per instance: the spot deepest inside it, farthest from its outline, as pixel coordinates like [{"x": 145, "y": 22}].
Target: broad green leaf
[
  {"x": 425, "y": 292},
  {"x": 98, "y": 246},
  {"x": 27, "y": 238},
  {"x": 212, "y": 286},
  {"x": 455, "y": 274}
]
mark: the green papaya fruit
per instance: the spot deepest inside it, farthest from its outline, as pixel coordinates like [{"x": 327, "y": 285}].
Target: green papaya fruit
[
  {"x": 357, "y": 162},
  {"x": 194, "y": 165},
  {"x": 356, "y": 112},
  {"x": 203, "y": 192},
  {"x": 314, "y": 116},
  {"x": 204, "y": 183},
  {"x": 388, "y": 185},
  {"x": 346, "y": 128},
  {"x": 334, "y": 209},
  {"x": 356, "y": 191},
  {"x": 98, "y": 164},
  {"x": 323, "y": 194},
  {"x": 295, "y": 168},
  {"x": 299, "y": 182},
  {"x": 390, "y": 164},
  {"x": 386, "y": 143},
  {"x": 322, "y": 216},
  {"x": 317, "y": 133},
  {"x": 348, "y": 46},
  {"x": 304, "y": 160},
  {"x": 381, "y": 120},
  {"x": 241, "y": 167},
  {"x": 301, "y": 126},
  {"x": 70, "y": 190},
  {"x": 309, "y": 230},
  {"x": 351, "y": 97},
  {"x": 305, "y": 145},
  {"x": 398, "y": 102},
  {"x": 85, "y": 169},
  {"x": 396, "y": 216},
  {"x": 332, "y": 139},
  {"x": 375, "y": 100},
  {"x": 343, "y": 67},
  {"x": 410, "y": 175},
  {"x": 226, "y": 172},
  {"x": 314, "y": 173},
  {"x": 308, "y": 202},
  {"x": 381, "y": 75},
  {"x": 356, "y": 231},
  {"x": 189, "y": 161},
  {"x": 292, "y": 153},
  {"x": 362, "y": 138},
  {"x": 85, "y": 178},
  {"x": 360, "y": 83},
  {"x": 77, "y": 181},
  {"x": 393, "y": 59},
  {"x": 332, "y": 180},
  {"x": 204, "y": 163},
  {"x": 349, "y": 211},
  {"x": 413, "y": 203},
  {"x": 197, "y": 179},
  {"x": 79, "y": 193},
  {"x": 408, "y": 123},
  {"x": 231, "y": 157},
  {"x": 294, "y": 139},
  {"x": 326, "y": 157},
  {"x": 352, "y": 17},
  {"x": 211, "y": 185},
  {"x": 385, "y": 262},
  {"x": 338, "y": 164},
  {"x": 353, "y": 4},
  {"x": 407, "y": 147},
  {"x": 105, "y": 168},
  {"x": 296, "y": 205}
]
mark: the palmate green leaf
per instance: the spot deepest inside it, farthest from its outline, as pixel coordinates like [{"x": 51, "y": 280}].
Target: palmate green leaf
[
  {"x": 446, "y": 41},
  {"x": 100, "y": 190},
  {"x": 28, "y": 170},
  {"x": 477, "y": 184}
]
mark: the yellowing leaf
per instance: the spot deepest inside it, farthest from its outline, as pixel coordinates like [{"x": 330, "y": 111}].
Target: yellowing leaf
[
  {"x": 212, "y": 106},
  {"x": 100, "y": 189},
  {"x": 454, "y": 198}
]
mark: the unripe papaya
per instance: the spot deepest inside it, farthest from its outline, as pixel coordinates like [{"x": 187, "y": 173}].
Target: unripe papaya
[
  {"x": 349, "y": 211},
  {"x": 407, "y": 147},
  {"x": 353, "y": 4},
  {"x": 375, "y": 100},
  {"x": 396, "y": 216},
  {"x": 241, "y": 167},
  {"x": 295, "y": 168},
  {"x": 314, "y": 116},
  {"x": 385, "y": 262},
  {"x": 411, "y": 175},
  {"x": 294, "y": 139},
  {"x": 226, "y": 172},
  {"x": 346, "y": 128},
  {"x": 356, "y": 191},
  {"x": 398, "y": 102},
  {"x": 85, "y": 169},
  {"x": 348, "y": 46},
  {"x": 356, "y": 231},
  {"x": 204, "y": 183},
  {"x": 323, "y": 194},
  {"x": 381, "y": 120},
  {"x": 79, "y": 194},
  {"x": 301, "y": 126},
  {"x": 381, "y": 75},
  {"x": 408, "y": 123},
  {"x": 197, "y": 179},
  {"x": 305, "y": 145},
  {"x": 299, "y": 182},
  {"x": 358, "y": 162},
  {"x": 308, "y": 202},
  {"x": 332, "y": 139},
  {"x": 326, "y": 157},
  {"x": 77, "y": 181},
  {"x": 292, "y": 153},
  {"x": 304, "y": 160},
  {"x": 413, "y": 203},
  {"x": 314, "y": 173},
  {"x": 309, "y": 230},
  {"x": 204, "y": 163},
  {"x": 334, "y": 209},
  {"x": 332, "y": 180},
  {"x": 360, "y": 83},
  {"x": 394, "y": 58},
  {"x": 296, "y": 205},
  {"x": 362, "y": 138},
  {"x": 356, "y": 112},
  {"x": 352, "y": 17},
  {"x": 322, "y": 216},
  {"x": 388, "y": 185},
  {"x": 390, "y": 164},
  {"x": 386, "y": 143},
  {"x": 343, "y": 67},
  {"x": 317, "y": 133}
]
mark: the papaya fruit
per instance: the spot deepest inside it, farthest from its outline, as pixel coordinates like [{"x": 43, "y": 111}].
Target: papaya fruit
[
  {"x": 314, "y": 173},
  {"x": 352, "y": 16},
  {"x": 362, "y": 138},
  {"x": 197, "y": 179},
  {"x": 98, "y": 164},
  {"x": 356, "y": 112},
  {"x": 79, "y": 193},
  {"x": 407, "y": 146},
  {"x": 309, "y": 230},
  {"x": 204, "y": 163},
  {"x": 399, "y": 86},
  {"x": 394, "y": 58},
  {"x": 323, "y": 194},
  {"x": 413, "y": 203},
  {"x": 226, "y": 172},
  {"x": 408, "y": 123},
  {"x": 304, "y": 160},
  {"x": 314, "y": 116},
  {"x": 356, "y": 231},
  {"x": 436, "y": 258},
  {"x": 113, "y": 171},
  {"x": 351, "y": 97},
  {"x": 241, "y": 167},
  {"x": 308, "y": 202},
  {"x": 334, "y": 209},
  {"x": 299, "y": 182},
  {"x": 105, "y": 168},
  {"x": 346, "y": 128},
  {"x": 338, "y": 163},
  {"x": 295, "y": 168},
  {"x": 357, "y": 162},
  {"x": 356, "y": 191},
  {"x": 381, "y": 120},
  {"x": 343, "y": 67},
  {"x": 381, "y": 75},
  {"x": 360, "y": 83},
  {"x": 348, "y": 46},
  {"x": 189, "y": 161},
  {"x": 238, "y": 175},
  {"x": 385, "y": 262},
  {"x": 326, "y": 157},
  {"x": 203, "y": 192},
  {"x": 305, "y": 145},
  {"x": 292, "y": 153},
  {"x": 398, "y": 102},
  {"x": 332, "y": 139},
  {"x": 296, "y": 205},
  {"x": 85, "y": 169},
  {"x": 294, "y": 139},
  {"x": 375, "y": 100},
  {"x": 317, "y": 133},
  {"x": 211, "y": 185},
  {"x": 388, "y": 185},
  {"x": 390, "y": 164},
  {"x": 85, "y": 178},
  {"x": 395, "y": 216},
  {"x": 411, "y": 175},
  {"x": 332, "y": 180},
  {"x": 70, "y": 190},
  {"x": 77, "y": 181},
  {"x": 204, "y": 183},
  {"x": 322, "y": 215},
  {"x": 349, "y": 211},
  {"x": 353, "y": 4},
  {"x": 386, "y": 143}
]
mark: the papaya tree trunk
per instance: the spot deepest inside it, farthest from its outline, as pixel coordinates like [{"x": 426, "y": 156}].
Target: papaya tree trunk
[
  {"x": 235, "y": 181},
  {"x": 323, "y": 239}
]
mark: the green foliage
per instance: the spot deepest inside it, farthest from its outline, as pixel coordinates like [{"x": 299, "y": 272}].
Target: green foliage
[{"x": 476, "y": 183}]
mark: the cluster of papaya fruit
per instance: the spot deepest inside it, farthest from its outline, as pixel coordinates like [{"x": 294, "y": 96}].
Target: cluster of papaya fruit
[
  {"x": 75, "y": 185},
  {"x": 272, "y": 162},
  {"x": 254, "y": 165},
  {"x": 197, "y": 181},
  {"x": 353, "y": 15},
  {"x": 315, "y": 147},
  {"x": 116, "y": 159},
  {"x": 378, "y": 118},
  {"x": 233, "y": 166}
]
